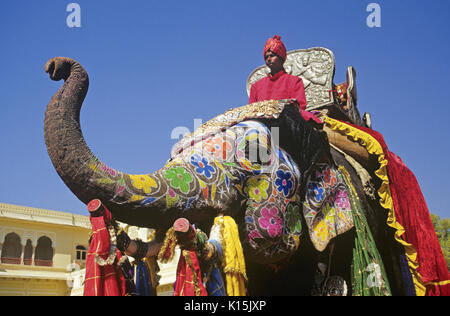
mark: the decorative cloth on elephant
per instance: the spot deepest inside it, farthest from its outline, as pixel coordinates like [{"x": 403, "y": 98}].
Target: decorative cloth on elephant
[
  {"x": 368, "y": 273},
  {"x": 414, "y": 216},
  {"x": 408, "y": 213},
  {"x": 107, "y": 273},
  {"x": 327, "y": 208},
  {"x": 275, "y": 45}
]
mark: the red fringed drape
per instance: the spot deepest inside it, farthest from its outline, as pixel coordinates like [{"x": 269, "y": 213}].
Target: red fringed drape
[
  {"x": 414, "y": 216},
  {"x": 107, "y": 280},
  {"x": 412, "y": 213}
]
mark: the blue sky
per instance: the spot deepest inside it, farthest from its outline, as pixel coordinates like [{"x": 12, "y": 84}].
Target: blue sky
[{"x": 156, "y": 65}]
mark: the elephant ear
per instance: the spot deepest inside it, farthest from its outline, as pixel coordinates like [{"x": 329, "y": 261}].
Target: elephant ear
[{"x": 327, "y": 206}]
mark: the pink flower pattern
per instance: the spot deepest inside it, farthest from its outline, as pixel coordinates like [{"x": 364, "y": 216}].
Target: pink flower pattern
[
  {"x": 270, "y": 221},
  {"x": 341, "y": 200}
]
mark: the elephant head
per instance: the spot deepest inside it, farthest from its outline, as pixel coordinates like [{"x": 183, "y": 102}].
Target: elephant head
[
  {"x": 233, "y": 169},
  {"x": 232, "y": 165}
]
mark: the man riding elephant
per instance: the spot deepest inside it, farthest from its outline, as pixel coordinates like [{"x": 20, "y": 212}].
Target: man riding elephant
[
  {"x": 233, "y": 166},
  {"x": 278, "y": 84}
]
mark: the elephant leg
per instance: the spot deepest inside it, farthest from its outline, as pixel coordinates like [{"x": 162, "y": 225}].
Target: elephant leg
[
  {"x": 336, "y": 261},
  {"x": 294, "y": 277}
]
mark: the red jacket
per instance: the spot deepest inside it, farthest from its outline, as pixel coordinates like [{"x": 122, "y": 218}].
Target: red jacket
[{"x": 281, "y": 86}]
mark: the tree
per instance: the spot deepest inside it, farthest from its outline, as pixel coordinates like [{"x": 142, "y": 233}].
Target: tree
[{"x": 442, "y": 227}]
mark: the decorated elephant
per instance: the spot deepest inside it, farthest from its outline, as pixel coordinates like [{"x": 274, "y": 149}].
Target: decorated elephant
[{"x": 303, "y": 212}]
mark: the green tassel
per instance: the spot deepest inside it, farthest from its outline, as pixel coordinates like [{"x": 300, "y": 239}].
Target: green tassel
[{"x": 368, "y": 273}]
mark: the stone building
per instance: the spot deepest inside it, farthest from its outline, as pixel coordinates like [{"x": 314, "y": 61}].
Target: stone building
[
  {"x": 43, "y": 252},
  {"x": 39, "y": 248}
]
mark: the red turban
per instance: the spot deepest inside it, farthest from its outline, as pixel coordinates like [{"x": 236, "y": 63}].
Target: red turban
[{"x": 276, "y": 46}]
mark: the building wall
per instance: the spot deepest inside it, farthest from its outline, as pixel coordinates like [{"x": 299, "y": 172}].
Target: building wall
[
  {"x": 33, "y": 287},
  {"x": 65, "y": 230},
  {"x": 168, "y": 273},
  {"x": 64, "y": 239}
]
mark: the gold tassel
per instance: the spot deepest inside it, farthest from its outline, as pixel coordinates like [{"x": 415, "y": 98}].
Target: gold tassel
[{"x": 167, "y": 250}]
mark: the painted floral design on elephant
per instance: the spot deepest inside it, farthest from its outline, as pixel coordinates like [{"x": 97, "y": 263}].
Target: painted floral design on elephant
[
  {"x": 198, "y": 178},
  {"x": 219, "y": 147},
  {"x": 202, "y": 165},
  {"x": 271, "y": 221},
  {"x": 326, "y": 207},
  {"x": 342, "y": 200},
  {"x": 143, "y": 182},
  {"x": 293, "y": 219},
  {"x": 257, "y": 188},
  {"x": 328, "y": 176},
  {"x": 179, "y": 178},
  {"x": 315, "y": 192},
  {"x": 283, "y": 182}
]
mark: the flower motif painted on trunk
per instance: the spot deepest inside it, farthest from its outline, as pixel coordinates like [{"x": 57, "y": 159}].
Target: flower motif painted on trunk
[
  {"x": 218, "y": 147},
  {"x": 202, "y": 165},
  {"x": 143, "y": 182},
  {"x": 270, "y": 221},
  {"x": 179, "y": 178},
  {"x": 257, "y": 189},
  {"x": 293, "y": 219},
  {"x": 283, "y": 182},
  {"x": 341, "y": 199},
  {"x": 316, "y": 191},
  {"x": 103, "y": 167}
]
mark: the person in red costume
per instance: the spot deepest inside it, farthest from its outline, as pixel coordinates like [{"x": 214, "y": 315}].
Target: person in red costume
[{"x": 278, "y": 84}]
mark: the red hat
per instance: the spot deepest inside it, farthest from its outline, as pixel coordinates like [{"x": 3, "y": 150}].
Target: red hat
[{"x": 276, "y": 46}]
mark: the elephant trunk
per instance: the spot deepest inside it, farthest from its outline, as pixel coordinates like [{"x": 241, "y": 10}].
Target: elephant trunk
[
  {"x": 65, "y": 143},
  {"x": 73, "y": 160}
]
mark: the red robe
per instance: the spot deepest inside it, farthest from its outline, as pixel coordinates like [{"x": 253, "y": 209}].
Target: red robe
[
  {"x": 106, "y": 280},
  {"x": 281, "y": 86}
]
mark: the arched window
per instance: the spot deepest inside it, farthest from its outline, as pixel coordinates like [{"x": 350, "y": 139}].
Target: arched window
[
  {"x": 28, "y": 253},
  {"x": 12, "y": 249},
  {"x": 43, "y": 255},
  {"x": 81, "y": 253}
]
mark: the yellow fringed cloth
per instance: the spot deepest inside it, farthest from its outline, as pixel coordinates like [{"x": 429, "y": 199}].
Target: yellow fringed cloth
[{"x": 233, "y": 256}]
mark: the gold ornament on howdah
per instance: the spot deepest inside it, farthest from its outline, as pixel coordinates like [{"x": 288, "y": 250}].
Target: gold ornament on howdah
[{"x": 270, "y": 109}]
